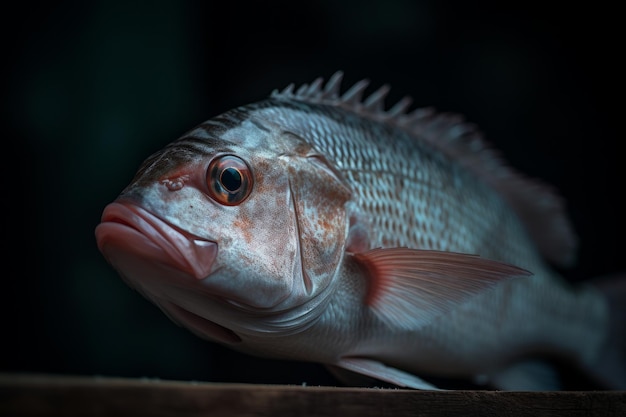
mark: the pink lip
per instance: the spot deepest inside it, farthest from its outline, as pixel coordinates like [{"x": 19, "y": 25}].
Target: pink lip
[{"x": 130, "y": 234}]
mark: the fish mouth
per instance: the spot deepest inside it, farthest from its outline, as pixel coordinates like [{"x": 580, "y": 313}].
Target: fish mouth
[
  {"x": 158, "y": 259},
  {"x": 130, "y": 237}
]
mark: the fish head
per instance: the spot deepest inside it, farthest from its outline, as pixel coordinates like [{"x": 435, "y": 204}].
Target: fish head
[{"x": 229, "y": 223}]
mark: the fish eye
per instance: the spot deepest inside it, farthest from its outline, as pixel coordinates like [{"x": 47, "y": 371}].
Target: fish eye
[{"x": 229, "y": 179}]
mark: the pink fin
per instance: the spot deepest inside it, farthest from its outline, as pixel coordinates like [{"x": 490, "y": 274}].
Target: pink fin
[
  {"x": 410, "y": 287},
  {"x": 379, "y": 370}
]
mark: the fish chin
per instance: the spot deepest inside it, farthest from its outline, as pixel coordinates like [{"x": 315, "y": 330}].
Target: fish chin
[
  {"x": 142, "y": 247},
  {"x": 201, "y": 326}
]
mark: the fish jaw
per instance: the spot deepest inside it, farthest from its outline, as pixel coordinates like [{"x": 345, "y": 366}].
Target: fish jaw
[
  {"x": 138, "y": 243},
  {"x": 154, "y": 257}
]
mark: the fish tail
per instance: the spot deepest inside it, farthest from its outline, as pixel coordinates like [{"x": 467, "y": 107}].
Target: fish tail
[{"x": 610, "y": 366}]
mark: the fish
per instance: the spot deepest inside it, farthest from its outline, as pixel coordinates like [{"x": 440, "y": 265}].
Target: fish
[{"x": 391, "y": 245}]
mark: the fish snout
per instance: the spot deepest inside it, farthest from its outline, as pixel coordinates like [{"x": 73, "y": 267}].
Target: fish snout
[{"x": 139, "y": 244}]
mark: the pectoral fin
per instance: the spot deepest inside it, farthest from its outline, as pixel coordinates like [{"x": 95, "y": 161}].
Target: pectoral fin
[
  {"x": 380, "y": 371},
  {"x": 410, "y": 287}
]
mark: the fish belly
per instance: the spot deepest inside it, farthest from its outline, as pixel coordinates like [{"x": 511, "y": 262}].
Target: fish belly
[{"x": 532, "y": 317}]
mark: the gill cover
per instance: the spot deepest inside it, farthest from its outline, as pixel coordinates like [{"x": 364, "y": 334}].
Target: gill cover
[
  {"x": 318, "y": 197},
  {"x": 276, "y": 210}
]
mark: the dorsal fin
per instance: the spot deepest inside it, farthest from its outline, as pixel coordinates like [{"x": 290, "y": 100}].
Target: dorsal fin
[{"x": 538, "y": 206}]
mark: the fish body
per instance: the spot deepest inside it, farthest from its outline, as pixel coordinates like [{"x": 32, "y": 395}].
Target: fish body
[{"x": 317, "y": 226}]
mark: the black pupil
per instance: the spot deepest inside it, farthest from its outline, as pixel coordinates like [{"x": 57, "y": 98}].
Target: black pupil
[{"x": 231, "y": 179}]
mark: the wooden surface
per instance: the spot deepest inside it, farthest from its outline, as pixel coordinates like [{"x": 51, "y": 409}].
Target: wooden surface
[{"x": 55, "y": 395}]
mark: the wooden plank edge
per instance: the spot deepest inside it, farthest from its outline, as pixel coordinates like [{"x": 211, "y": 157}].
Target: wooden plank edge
[{"x": 75, "y": 395}]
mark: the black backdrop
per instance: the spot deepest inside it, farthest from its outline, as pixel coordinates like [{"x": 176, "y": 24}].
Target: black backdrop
[{"x": 92, "y": 89}]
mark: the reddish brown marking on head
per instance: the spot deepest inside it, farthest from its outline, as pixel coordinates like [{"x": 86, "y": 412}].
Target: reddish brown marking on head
[{"x": 244, "y": 225}]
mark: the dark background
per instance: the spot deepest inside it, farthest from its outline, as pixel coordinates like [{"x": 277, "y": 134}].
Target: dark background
[{"x": 90, "y": 90}]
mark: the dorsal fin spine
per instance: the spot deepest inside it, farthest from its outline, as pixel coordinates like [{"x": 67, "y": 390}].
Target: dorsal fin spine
[
  {"x": 375, "y": 101},
  {"x": 400, "y": 107},
  {"x": 331, "y": 89},
  {"x": 353, "y": 96}
]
